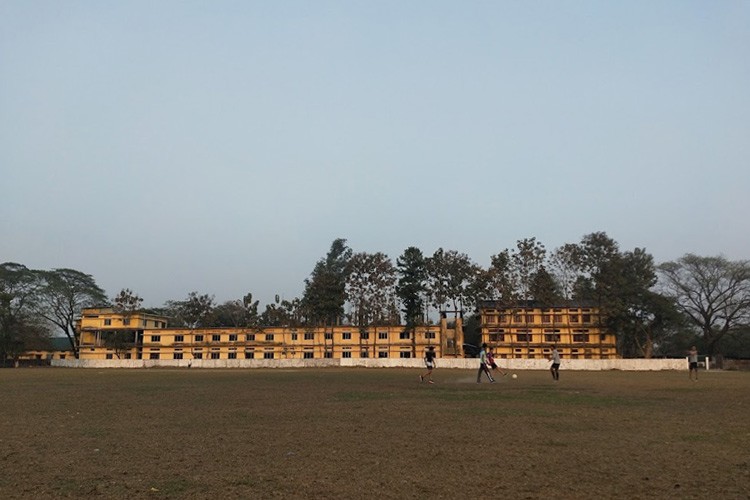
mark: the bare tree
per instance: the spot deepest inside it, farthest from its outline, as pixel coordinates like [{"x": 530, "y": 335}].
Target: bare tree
[{"x": 713, "y": 292}]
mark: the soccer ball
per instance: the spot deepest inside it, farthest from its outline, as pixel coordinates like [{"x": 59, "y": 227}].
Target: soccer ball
[{"x": 514, "y": 376}]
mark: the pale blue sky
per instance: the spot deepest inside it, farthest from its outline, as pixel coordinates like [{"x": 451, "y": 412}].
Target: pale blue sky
[{"x": 222, "y": 146}]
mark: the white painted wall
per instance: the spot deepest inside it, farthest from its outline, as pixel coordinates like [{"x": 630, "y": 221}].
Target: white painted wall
[{"x": 462, "y": 363}]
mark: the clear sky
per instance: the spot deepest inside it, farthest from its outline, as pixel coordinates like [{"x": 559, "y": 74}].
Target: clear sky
[{"x": 221, "y": 146}]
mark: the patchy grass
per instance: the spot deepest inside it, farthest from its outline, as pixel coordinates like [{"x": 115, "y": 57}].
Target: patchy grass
[{"x": 356, "y": 433}]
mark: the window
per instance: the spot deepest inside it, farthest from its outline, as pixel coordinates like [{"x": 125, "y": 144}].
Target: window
[
  {"x": 346, "y": 335},
  {"x": 602, "y": 337},
  {"x": 199, "y": 338},
  {"x": 268, "y": 355},
  {"x": 250, "y": 337},
  {"x": 364, "y": 335},
  {"x": 574, "y": 318},
  {"x": 233, "y": 337},
  {"x": 329, "y": 336},
  {"x": 346, "y": 354},
  {"x": 308, "y": 355},
  {"x": 232, "y": 355},
  {"x": 126, "y": 322},
  {"x": 429, "y": 334},
  {"x": 153, "y": 355},
  {"x": 328, "y": 354},
  {"x": 404, "y": 354},
  {"x": 497, "y": 337},
  {"x": 529, "y": 318},
  {"x": 580, "y": 337},
  {"x": 179, "y": 338},
  {"x": 178, "y": 355},
  {"x": 269, "y": 337},
  {"x": 155, "y": 338},
  {"x": 546, "y": 318},
  {"x": 383, "y": 336},
  {"x": 215, "y": 355},
  {"x": 215, "y": 338},
  {"x": 127, "y": 355},
  {"x": 503, "y": 318},
  {"x": 551, "y": 337},
  {"x": 383, "y": 354},
  {"x": 404, "y": 335},
  {"x": 523, "y": 337},
  {"x": 309, "y": 336},
  {"x": 198, "y": 355},
  {"x": 294, "y": 337},
  {"x": 517, "y": 318},
  {"x": 558, "y": 318},
  {"x": 586, "y": 318},
  {"x": 249, "y": 354},
  {"x": 109, "y": 355},
  {"x": 107, "y": 322},
  {"x": 364, "y": 354}
]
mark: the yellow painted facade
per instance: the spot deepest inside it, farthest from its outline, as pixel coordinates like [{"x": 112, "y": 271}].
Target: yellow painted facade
[
  {"x": 531, "y": 332},
  {"x": 149, "y": 337}
]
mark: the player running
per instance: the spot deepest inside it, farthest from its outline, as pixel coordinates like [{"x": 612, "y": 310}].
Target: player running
[
  {"x": 483, "y": 365},
  {"x": 429, "y": 361}
]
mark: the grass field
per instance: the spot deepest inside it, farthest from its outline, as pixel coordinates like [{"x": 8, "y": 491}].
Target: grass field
[{"x": 378, "y": 433}]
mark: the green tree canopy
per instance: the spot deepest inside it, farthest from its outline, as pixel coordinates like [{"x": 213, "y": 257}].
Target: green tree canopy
[
  {"x": 61, "y": 296},
  {"x": 325, "y": 290}
]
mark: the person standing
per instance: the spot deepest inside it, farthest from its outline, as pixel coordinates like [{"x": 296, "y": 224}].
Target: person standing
[
  {"x": 555, "y": 367},
  {"x": 492, "y": 364},
  {"x": 429, "y": 361},
  {"x": 483, "y": 365},
  {"x": 693, "y": 363}
]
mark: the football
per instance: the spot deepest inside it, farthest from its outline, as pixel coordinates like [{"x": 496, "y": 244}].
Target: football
[{"x": 514, "y": 376}]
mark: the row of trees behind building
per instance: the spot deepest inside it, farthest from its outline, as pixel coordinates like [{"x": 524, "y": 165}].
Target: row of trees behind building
[{"x": 653, "y": 309}]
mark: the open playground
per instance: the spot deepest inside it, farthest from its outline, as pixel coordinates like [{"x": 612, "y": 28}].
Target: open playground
[{"x": 372, "y": 433}]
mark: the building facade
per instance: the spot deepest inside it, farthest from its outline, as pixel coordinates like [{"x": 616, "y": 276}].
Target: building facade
[
  {"x": 105, "y": 334},
  {"x": 522, "y": 332},
  {"x": 531, "y": 331}
]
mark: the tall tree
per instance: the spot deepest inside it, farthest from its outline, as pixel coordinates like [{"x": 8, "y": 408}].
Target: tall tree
[
  {"x": 526, "y": 261},
  {"x": 641, "y": 317},
  {"x": 565, "y": 265},
  {"x": 325, "y": 290},
  {"x": 543, "y": 288},
  {"x": 713, "y": 292},
  {"x": 20, "y": 328},
  {"x": 411, "y": 286},
  {"x": 62, "y": 295},
  {"x": 497, "y": 281},
  {"x": 598, "y": 256},
  {"x": 370, "y": 288},
  {"x": 451, "y": 276}
]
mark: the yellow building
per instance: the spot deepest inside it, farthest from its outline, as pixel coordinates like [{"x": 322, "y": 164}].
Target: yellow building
[
  {"x": 58, "y": 348},
  {"x": 530, "y": 332},
  {"x": 105, "y": 334}
]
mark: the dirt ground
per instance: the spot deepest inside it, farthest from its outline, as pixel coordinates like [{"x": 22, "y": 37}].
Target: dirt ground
[{"x": 378, "y": 433}]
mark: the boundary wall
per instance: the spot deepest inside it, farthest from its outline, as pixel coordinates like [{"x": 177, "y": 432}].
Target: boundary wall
[{"x": 442, "y": 363}]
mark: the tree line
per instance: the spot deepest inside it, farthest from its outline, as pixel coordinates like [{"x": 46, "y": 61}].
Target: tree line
[{"x": 654, "y": 310}]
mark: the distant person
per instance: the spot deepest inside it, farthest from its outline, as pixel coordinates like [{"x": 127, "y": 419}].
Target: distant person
[
  {"x": 491, "y": 362},
  {"x": 429, "y": 361},
  {"x": 555, "y": 367},
  {"x": 693, "y": 363},
  {"x": 483, "y": 368}
]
